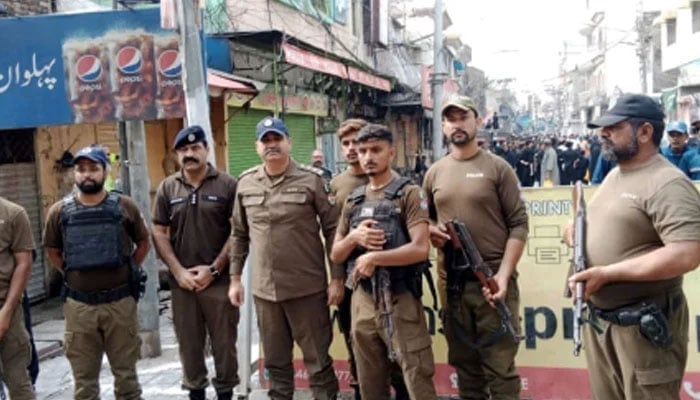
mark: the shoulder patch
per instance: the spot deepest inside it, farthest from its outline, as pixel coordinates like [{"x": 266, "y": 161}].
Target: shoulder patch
[
  {"x": 312, "y": 169},
  {"x": 248, "y": 171}
]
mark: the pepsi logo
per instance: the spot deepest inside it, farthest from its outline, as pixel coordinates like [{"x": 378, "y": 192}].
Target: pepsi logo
[
  {"x": 129, "y": 60},
  {"x": 89, "y": 68},
  {"x": 169, "y": 64}
]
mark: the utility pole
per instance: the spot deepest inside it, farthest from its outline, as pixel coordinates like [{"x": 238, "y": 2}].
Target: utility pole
[
  {"x": 135, "y": 183},
  {"x": 643, "y": 44},
  {"x": 193, "y": 72},
  {"x": 438, "y": 77}
]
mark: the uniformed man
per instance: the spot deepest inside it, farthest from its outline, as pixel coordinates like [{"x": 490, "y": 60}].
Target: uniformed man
[
  {"x": 16, "y": 245},
  {"x": 341, "y": 187},
  {"x": 385, "y": 225},
  {"x": 191, "y": 227},
  {"x": 317, "y": 161},
  {"x": 480, "y": 190},
  {"x": 280, "y": 208},
  {"x": 642, "y": 236},
  {"x": 96, "y": 240}
]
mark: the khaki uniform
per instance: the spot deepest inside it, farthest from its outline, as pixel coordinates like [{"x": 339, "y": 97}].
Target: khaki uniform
[
  {"x": 93, "y": 330},
  {"x": 15, "y": 350},
  {"x": 411, "y": 339},
  {"x": 632, "y": 213},
  {"x": 199, "y": 223},
  {"x": 483, "y": 193},
  {"x": 280, "y": 218}
]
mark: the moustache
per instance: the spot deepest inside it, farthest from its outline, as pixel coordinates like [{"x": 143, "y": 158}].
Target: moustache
[
  {"x": 272, "y": 150},
  {"x": 460, "y": 131},
  {"x": 188, "y": 159}
]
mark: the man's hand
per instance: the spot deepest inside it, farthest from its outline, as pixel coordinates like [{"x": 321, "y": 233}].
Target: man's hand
[
  {"x": 336, "y": 291},
  {"x": 502, "y": 282},
  {"x": 236, "y": 292},
  {"x": 568, "y": 237},
  {"x": 185, "y": 278},
  {"x": 366, "y": 236},
  {"x": 364, "y": 268},
  {"x": 202, "y": 277},
  {"x": 438, "y": 235},
  {"x": 5, "y": 318},
  {"x": 594, "y": 278}
]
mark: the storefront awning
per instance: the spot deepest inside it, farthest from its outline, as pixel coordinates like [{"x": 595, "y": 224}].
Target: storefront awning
[{"x": 220, "y": 81}]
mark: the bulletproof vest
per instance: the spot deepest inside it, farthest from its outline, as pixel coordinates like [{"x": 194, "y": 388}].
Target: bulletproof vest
[
  {"x": 92, "y": 234},
  {"x": 387, "y": 212}
]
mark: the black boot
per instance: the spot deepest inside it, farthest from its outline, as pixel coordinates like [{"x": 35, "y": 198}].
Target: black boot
[
  {"x": 224, "y": 395},
  {"x": 198, "y": 394}
]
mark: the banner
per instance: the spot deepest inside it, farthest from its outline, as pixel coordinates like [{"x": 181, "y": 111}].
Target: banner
[
  {"x": 89, "y": 68},
  {"x": 545, "y": 360}
]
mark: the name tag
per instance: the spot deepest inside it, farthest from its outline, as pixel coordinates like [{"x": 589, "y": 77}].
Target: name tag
[
  {"x": 177, "y": 200},
  {"x": 367, "y": 212}
]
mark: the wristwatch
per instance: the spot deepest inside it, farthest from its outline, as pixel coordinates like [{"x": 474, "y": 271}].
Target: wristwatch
[{"x": 214, "y": 272}]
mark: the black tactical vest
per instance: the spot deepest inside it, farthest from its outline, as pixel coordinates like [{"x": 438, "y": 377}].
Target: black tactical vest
[
  {"x": 92, "y": 234},
  {"x": 387, "y": 213}
]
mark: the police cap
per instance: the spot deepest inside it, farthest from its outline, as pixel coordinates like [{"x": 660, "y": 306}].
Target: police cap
[
  {"x": 191, "y": 134},
  {"x": 94, "y": 153}
]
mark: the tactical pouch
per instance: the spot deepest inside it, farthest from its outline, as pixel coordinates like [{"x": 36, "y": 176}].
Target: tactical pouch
[
  {"x": 653, "y": 325},
  {"x": 137, "y": 281}
]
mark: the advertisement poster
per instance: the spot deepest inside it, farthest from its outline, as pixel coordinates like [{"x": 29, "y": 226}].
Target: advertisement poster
[{"x": 88, "y": 68}]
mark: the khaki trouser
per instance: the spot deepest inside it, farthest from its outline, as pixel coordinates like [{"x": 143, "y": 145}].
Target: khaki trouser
[
  {"x": 15, "y": 355},
  {"x": 488, "y": 372},
  {"x": 623, "y": 364},
  {"x": 411, "y": 342},
  {"x": 307, "y": 322},
  {"x": 96, "y": 329},
  {"x": 195, "y": 314}
]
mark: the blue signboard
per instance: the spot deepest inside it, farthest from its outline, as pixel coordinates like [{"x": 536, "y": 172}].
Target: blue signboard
[{"x": 88, "y": 68}]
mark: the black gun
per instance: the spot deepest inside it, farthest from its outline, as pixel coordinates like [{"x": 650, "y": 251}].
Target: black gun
[
  {"x": 578, "y": 262},
  {"x": 463, "y": 244},
  {"x": 381, "y": 288}
]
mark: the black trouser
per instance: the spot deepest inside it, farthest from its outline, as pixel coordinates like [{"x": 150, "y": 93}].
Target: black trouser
[{"x": 344, "y": 325}]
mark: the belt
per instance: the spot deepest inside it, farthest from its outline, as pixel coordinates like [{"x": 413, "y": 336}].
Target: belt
[
  {"x": 397, "y": 287},
  {"x": 98, "y": 296},
  {"x": 630, "y": 315}
]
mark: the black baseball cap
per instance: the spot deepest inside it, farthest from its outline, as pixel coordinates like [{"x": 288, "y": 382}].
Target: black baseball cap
[
  {"x": 375, "y": 131},
  {"x": 630, "y": 106}
]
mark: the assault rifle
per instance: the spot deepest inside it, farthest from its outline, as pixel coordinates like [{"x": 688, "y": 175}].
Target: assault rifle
[
  {"x": 463, "y": 245},
  {"x": 578, "y": 262},
  {"x": 381, "y": 289}
]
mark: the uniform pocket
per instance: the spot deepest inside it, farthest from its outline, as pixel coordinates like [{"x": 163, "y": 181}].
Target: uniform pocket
[{"x": 658, "y": 376}]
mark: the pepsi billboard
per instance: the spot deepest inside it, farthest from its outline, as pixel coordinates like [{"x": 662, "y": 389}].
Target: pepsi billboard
[{"x": 89, "y": 68}]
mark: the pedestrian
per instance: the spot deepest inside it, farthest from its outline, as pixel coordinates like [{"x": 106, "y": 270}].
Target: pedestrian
[
  {"x": 16, "y": 246},
  {"x": 526, "y": 164},
  {"x": 317, "y": 161},
  {"x": 482, "y": 192},
  {"x": 279, "y": 211},
  {"x": 191, "y": 227},
  {"x": 97, "y": 240},
  {"x": 372, "y": 233},
  {"x": 341, "y": 187},
  {"x": 642, "y": 236},
  {"x": 550, "y": 164},
  {"x": 677, "y": 148}
]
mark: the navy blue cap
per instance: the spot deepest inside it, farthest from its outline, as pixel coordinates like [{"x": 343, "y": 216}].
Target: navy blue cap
[
  {"x": 191, "y": 134},
  {"x": 630, "y": 106},
  {"x": 270, "y": 124},
  {"x": 677, "y": 126},
  {"x": 93, "y": 153}
]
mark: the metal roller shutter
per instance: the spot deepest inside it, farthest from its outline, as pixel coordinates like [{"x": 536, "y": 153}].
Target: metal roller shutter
[
  {"x": 241, "y": 138},
  {"x": 18, "y": 183}
]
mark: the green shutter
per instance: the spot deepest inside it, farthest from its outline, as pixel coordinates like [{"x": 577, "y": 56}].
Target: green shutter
[
  {"x": 241, "y": 138},
  {"x": 301, "y": 130}
]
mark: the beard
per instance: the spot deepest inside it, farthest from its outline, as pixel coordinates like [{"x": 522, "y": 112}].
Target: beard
[
  {"x": 610, "y": 153},
  {"x": 376, "y": 172},
  {"x": 461, "y": 140},
  {"x": 91, "y": 187}
]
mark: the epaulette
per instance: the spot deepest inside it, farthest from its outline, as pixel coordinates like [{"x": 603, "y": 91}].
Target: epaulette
[
  {"x": 312, "y": 169},
  {"x": 248, "y": 171}
]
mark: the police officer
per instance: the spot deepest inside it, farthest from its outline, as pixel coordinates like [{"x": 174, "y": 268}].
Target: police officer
[
  {"x": 341, "y": 187},
  {"x": 642, "y": 236},
  {"x": 96, "y": 239},
  {"x": 191, "y": 227},
  {"x": 385, "y": 225},
  {"x": 480, "y": 190},
  {"x": 280, "y": 208},
  {"x": 16, "y": 245}
]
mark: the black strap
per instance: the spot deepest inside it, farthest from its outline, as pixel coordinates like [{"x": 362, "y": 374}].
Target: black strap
[
  {"x": 100, "y": 296},
  {"x": 393, "y": 191}
]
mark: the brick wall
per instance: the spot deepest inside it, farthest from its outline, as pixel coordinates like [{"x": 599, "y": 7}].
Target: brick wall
[{"x": 27, "y": 7}]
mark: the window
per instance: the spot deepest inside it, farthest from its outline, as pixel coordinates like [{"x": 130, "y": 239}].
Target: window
[
  {"x": 17, "y": 146},
  {"x": 696, "y": 16},
  {"x": 670, "y": 31}
]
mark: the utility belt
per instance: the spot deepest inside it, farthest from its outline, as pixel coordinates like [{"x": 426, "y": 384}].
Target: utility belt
[
  {"x": 98, "y": 296},
  {"x": 650, "y": 315},
  {"x": 397, "y": 287}
]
